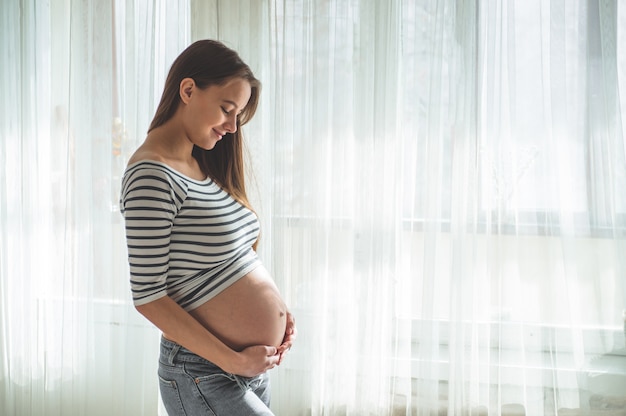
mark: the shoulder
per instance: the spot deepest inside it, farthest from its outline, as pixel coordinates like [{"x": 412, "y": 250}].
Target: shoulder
[
  {"x": 148, "y": 183},
  {"x": 147, "y": 161},
  {"x": 146, "y": 172},
  {"x": 146, "y": 153},
  {"x": 154, "y": 176}
]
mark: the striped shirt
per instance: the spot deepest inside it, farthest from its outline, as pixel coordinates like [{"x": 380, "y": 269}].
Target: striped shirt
[{"x": 187, "y": 239}]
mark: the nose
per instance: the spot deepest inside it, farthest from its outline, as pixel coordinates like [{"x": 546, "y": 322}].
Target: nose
[{"x": 231, "y": 124}]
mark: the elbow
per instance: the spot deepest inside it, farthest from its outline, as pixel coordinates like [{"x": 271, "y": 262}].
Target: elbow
[
  {"x": 152, "y": 308},
  {"x": 144, "y": 308},
  {"x": 140, "y": 308}
]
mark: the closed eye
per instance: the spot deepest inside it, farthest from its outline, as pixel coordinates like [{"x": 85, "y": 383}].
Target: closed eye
[{"x": 225, "y": 111}]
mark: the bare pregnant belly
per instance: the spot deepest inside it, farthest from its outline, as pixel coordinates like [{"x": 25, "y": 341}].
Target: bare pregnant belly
[{"x": 250, "y": 312}]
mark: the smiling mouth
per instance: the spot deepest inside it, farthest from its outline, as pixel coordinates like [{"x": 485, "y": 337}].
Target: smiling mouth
[{"x": 219, "y": 135}]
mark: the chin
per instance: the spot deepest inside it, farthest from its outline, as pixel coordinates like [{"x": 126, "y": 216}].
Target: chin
[{"x": 207, "y": 146}]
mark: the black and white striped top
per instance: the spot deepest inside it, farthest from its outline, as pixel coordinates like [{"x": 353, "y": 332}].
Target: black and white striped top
[{"x": 187, "y": 239}]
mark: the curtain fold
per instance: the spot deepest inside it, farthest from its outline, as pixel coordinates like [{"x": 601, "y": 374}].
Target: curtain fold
[{"x": 440, "y": 186}]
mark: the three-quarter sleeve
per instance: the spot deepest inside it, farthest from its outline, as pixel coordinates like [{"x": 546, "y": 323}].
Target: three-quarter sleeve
[{"x": 150, "y": 199}]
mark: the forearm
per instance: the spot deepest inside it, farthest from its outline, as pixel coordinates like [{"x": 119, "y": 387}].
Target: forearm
[{"x": 179, "y": 326}]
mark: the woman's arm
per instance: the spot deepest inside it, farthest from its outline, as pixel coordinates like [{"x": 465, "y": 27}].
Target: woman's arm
[{"x": 179, "y": 326}]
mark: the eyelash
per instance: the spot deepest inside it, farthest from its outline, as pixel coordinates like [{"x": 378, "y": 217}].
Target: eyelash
[{"x": 228, "y": 113}]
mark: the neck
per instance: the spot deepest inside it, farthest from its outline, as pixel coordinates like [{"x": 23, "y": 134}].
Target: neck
[{"x": 171, "y": 141}]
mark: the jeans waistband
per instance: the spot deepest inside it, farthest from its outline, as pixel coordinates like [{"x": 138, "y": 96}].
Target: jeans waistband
[
  {"x": 174, "y": 354},
  {"x": 169, "y": 349}
]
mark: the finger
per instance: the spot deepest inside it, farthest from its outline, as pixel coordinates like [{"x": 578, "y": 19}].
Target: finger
[
  {"x": 291, "y": 332},
  {"x": 285, "y": 346},
  {"x": 273, "y": 361}
]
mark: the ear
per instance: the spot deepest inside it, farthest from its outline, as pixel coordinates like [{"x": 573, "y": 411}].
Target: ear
[{"x": 186, "y": 88}]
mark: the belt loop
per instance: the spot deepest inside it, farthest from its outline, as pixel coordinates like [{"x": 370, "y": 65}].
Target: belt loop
[
  {"x": 173, "y": 353},
  {"x": 243, "y": 383}
]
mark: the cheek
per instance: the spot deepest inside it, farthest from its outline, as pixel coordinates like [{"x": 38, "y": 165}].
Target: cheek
[{"x": 198, "y": 120}]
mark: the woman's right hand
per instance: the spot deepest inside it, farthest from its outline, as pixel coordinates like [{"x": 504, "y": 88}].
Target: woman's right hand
[{"x": 255, "y": 360}]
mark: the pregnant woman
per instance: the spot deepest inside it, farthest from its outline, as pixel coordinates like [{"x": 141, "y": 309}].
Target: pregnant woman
[{"x": 192, "y": 237}]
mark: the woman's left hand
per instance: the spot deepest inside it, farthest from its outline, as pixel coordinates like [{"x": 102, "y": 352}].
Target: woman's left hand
[{"x": 290, "y": 335}]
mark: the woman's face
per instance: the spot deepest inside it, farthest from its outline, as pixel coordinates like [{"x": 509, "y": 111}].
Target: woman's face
[{"x": 212, "y": 112}]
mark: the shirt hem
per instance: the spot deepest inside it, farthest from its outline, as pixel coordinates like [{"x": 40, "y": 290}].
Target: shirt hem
[{"x": 199, "y": 302}]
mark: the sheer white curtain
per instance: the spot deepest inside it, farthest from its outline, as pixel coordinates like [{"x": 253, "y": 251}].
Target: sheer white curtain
[
  {"x": 448, "y": 215},
  {"x": 79, "y": 82},
  {"x": 441, "y": 186}
]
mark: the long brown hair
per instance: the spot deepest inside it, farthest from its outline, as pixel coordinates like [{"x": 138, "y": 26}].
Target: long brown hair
[{"x": 209, "y": 62}]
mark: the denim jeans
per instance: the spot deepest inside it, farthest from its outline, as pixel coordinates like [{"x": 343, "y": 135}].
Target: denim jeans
[{"x": 193, "y": 386}]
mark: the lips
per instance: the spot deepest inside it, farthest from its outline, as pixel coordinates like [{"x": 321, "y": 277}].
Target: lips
[{"x": 219, "y": 135}]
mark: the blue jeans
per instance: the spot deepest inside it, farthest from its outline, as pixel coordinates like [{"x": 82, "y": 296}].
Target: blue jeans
[{"x": 193, "y": 386}]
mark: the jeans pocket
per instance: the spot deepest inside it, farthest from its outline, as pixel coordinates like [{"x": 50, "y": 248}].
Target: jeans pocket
[
  {"x": 171, "y": 397},
  {"x": 224, "y": 393}
]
